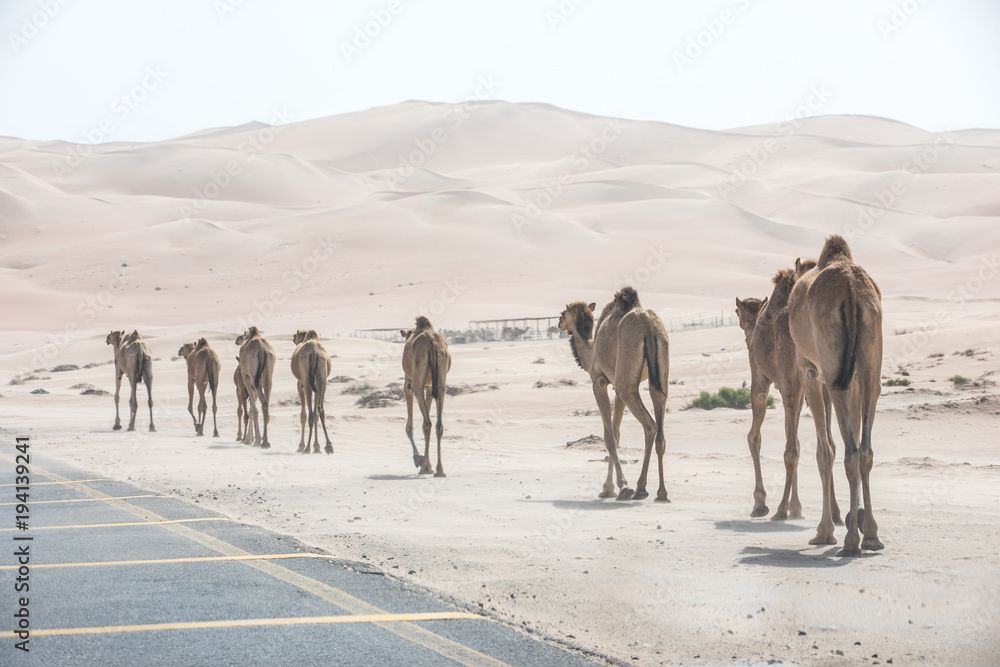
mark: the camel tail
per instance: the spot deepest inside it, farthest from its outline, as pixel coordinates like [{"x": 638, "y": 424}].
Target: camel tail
[
  {"x": 652, "y": 352},
  {"x": 316, "y": 374},
  {"x": 850, "y": 314},
  {"x": 437, "y": 374},
  {"x": 213, "y": 380}
]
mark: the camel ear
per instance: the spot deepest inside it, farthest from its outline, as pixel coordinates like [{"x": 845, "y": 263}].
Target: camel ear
[
  {"x": 763, "y": 303},
  {"x": 798, "y": 265},
  {"x": 404, "y": 333},
  {"x": 592, "y": 307},
  {"x": 739, "y": 304}
]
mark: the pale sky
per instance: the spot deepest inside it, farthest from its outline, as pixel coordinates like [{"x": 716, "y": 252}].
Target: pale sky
[{"x": 144, "y": 70}]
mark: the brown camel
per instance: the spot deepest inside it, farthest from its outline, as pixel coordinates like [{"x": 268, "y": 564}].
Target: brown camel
[
  {"x": 426, "y": 363},
  {"x": 835, "y": 316},
  {"x": 203, "y": 367},
  {"x": 242, "y": 396},
  {"x": 629, "y": 345},
  {"x": 257, "y": 366},
  {"x": 772, "y": 360},
  {"x": 132, "y": 357},
  {"x": 311, "y": 367}
]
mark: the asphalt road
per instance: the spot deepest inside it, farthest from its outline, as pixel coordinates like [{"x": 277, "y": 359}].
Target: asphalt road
[{"x": 210, "y": 592}]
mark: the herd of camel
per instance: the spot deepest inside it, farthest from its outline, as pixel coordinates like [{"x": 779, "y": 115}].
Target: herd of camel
[{"x": 817, "y": 338}]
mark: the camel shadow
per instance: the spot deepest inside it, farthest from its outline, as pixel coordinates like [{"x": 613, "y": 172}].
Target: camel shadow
[
  {"x": 744, "y": 526},
  {"x": 399, "y": 478},
  {"x": 605, "y": 504},
  {"x": 796, "y": 558}
]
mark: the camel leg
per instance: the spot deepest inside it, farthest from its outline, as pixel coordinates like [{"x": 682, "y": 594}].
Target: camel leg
[
  {"x": 869, "y": 527},
  {"x": 191, "y": 404},
  {"x": 426, "y": 425},
  {"x": 824, "y": 453},
  {"x": 842, "y": 403},
  {"x": 202, "y": 411},
  {"x": 215, "y": 409},
  {"x": 266, "y": 410},
  {"x": 759, "y": 388},
  {"x": 791, "y": 398},
  {"x": 418, "y": 460},
  {"x": 321, "y": 411},
  {"x": 303, "y": 447},
  {"x": 828, "y": 406},
  {"x": 239, "y": 418},
  {"x": 604, "y": 405},
  {"x": 118, "y": 391},
  {"x": 133, "y": 404},
  {"x": 618, "y": 411},
  {"x": 251, "y": 437},
  {"x": 659, "y": 399},
  {"x": 148, "y": 379},
  {"x": 313, "y": 420},
  {"x": 439, "y": 430},
  {"x": 630, "y": 394}
]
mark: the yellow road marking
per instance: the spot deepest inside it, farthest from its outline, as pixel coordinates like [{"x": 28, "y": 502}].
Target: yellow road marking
[
  {"x": 84, "y": 500},
  {"x": 255, "y": 622},
  {"x": 443, "y": 646},
  {"x": 78, "y": 481},
  {"x": 107, "y": 525},
  {"x": 201, "y": 559}
]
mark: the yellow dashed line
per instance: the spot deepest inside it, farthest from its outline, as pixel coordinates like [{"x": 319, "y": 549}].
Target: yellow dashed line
[
  {"x": 254, "y": 622},
  {"x": 107, "y": 525},
  {"x": 202, "y": 559},
  {"x": 84, "y": 500}
]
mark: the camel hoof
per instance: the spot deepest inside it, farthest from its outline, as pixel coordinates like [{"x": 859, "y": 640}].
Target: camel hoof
[
  {"x": 837, "y": 521},
  {"x": 302, "y": 450},
  {"x": 795, "y": 515},
  {"x": 199, "y": 434},
  {"x": 440, "y": 473},
  {"x": 849, "y": 552},
  {"x": 418, "y": 461},
  {"x": 606, "y": 494},
  {"x": 662, "y": 498},
  {"x": 151, "y": 429},
  {"x": 625, "y": 494},
  {"x": 759, "y": 511},
  {"x": 130, "y": 428},
  {"x": 424, "y": 471},
  {"x": 780, "y": 516},
  {"x": 215, "y": 435},
  {"x": 116, "y": 427},
  {"x": 640, "y": 495},
  {"x": 329, "y": 449},
  {"x": 821, "y": 540},
  {"x": 872, "y": 544},
  {"x": 265, "y": 445}
]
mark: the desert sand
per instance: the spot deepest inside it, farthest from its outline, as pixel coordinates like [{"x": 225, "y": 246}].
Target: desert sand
[{"x": 493, "y": 210}]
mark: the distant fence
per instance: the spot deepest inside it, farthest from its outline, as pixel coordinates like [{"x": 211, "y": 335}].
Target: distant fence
[{"x": 536, "y": 328}]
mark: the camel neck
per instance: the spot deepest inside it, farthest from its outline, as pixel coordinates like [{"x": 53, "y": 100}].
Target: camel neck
[{"x": 583, "y": 350}]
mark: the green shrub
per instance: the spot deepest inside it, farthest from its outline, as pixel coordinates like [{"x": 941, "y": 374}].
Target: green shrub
[
  {"x": 896, "y": 382},
  {"x": 958, "y": 379},
  {"x": 727, "y": 397}
]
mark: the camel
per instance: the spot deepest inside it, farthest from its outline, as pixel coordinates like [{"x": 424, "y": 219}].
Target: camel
[
  {"x": 132, "y": 357},
  {"x": 628, "y": 346},
  {"x": 772, "y": 360},
  {"x": 257, "y": 367},
  {"x": 835, "y": 319},
  {"x": 311, "y": 367},
  {"x": 242, "y": 409},
  {"x": 203, "y": 368},
  {"x": 426, "y": 364}
]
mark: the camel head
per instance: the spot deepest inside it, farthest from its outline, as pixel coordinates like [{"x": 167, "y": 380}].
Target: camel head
[
  {"x": 578, "y": 319},
  {"x": 186, "y": 350},
  {"x": 748, "y": 311},
  {"x": 801, "y": 267},
  {"x": 115, "y": 339},
  {"x": 132, "y": 337},
  {"x": 405, "y": 333},
  {"x": 252, "y": 332},
  {"x": 302, "y": 336}
]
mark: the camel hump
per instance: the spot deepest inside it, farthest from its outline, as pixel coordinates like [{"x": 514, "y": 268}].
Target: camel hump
[
  {"x": 835, "y": 248},
  {"x": 202, "y": 343},
  {"x": 626, "y": 299},
  {"x": 422, "y": 323},
  {"x": 784, "y": 276}
]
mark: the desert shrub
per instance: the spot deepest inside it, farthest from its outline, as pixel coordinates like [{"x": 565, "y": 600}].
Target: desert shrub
[
  {"x": 727, "y": 397},
  {"x": 357, "y": 388},
  {"x": 896, "y": 382},
  {"x": 958, "y": 379}
]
